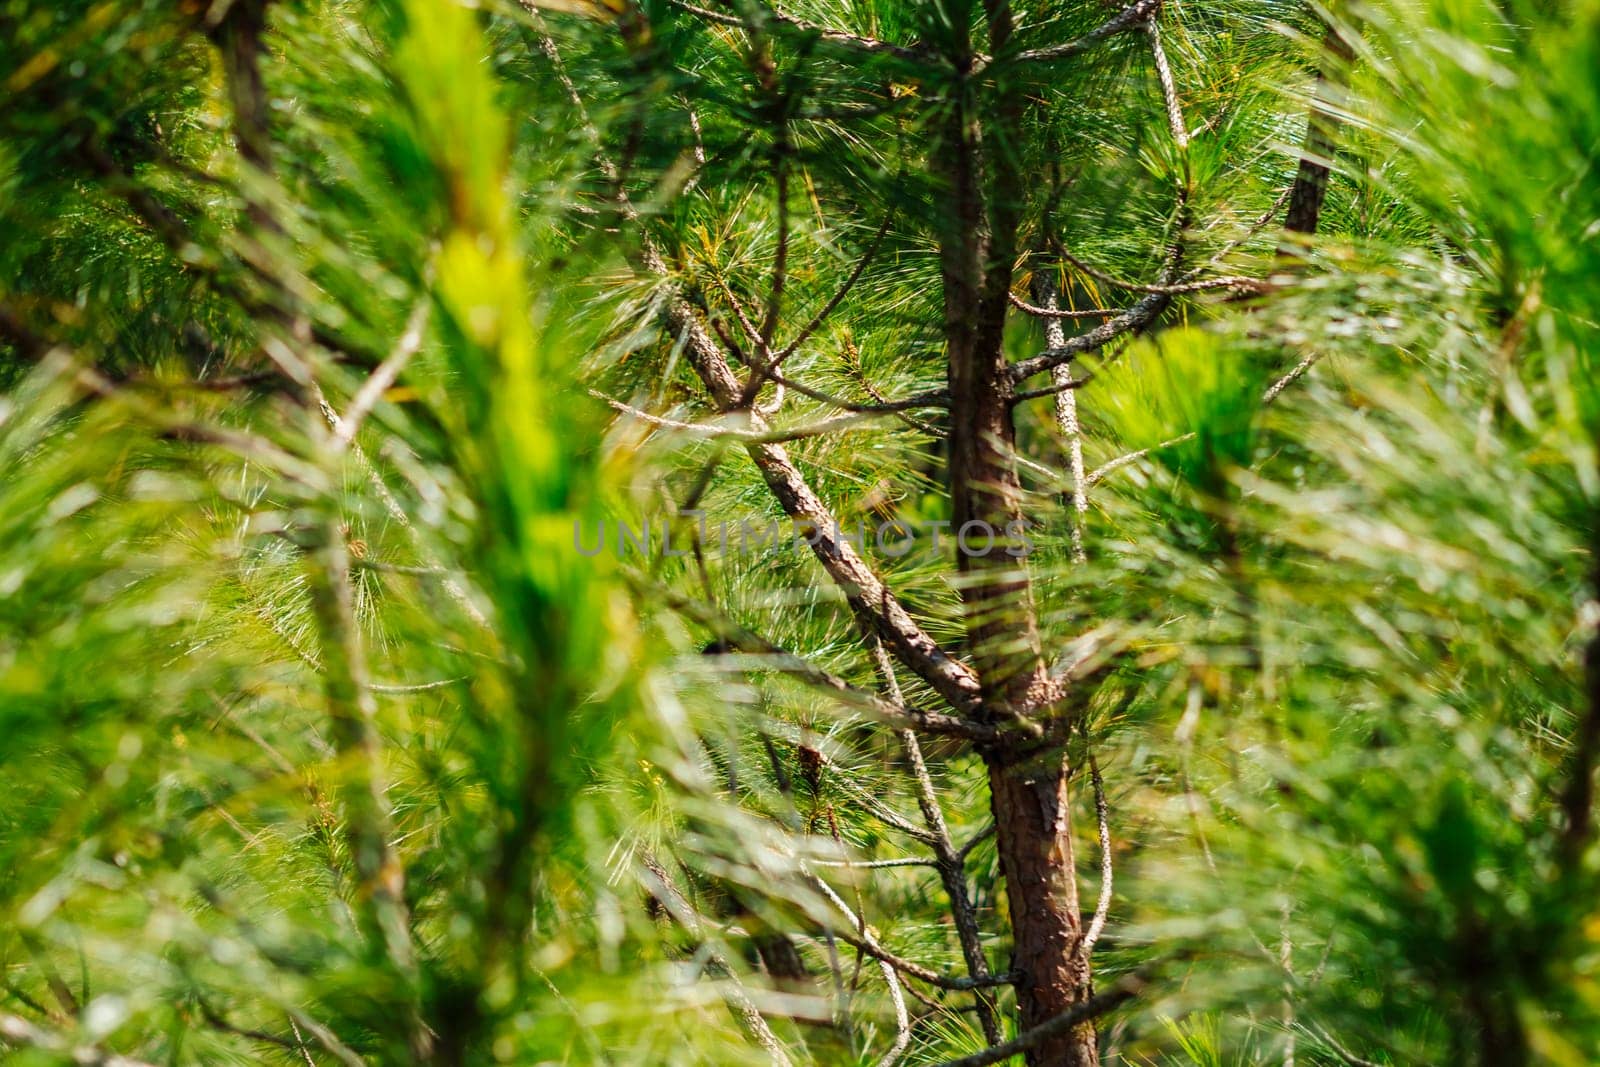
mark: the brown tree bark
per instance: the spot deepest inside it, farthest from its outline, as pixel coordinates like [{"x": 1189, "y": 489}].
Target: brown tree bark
[
  {"x": 1031, "y": 808},
  {"x": 1028, "y": 790},
  {"x": 1322, "y": 135}
]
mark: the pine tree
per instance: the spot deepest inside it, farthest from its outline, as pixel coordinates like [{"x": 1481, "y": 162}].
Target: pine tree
[{"x": 652, "y": 532}]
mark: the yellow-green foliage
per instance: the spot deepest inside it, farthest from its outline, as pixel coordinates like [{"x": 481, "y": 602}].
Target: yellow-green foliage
[{"x": 1189, "y": 396}]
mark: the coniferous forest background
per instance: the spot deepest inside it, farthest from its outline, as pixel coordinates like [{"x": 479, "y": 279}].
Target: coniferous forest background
[{"x": 899, "y": 532}]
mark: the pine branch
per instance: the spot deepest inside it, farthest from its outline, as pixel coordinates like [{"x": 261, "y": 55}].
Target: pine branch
[
  {"x": 1063, "y": 385},
  {"x": 1102, "y": 907},
  {"x": 822, "y": 428},
  {"x": 683, "y": 912},
  {"x": 948, "y": 863},
  {"x": 776, "y": 360},
  {"x": 1062, "y": 313},
  {"x": 1130, "y": 17},
  {"x": 952, "y": 679},
  {"x": 847, "y": 45},
  {"x": 839, "y": 294},
  {"x": 902, "y": 1020},
  {"x": 1169, "y": 88},
  {"x": 862, "y": 939},
  {"x": 1123, "y": 990},
  {"x": 777, "y": 658},
  {"x": 1134, "y": 319}
]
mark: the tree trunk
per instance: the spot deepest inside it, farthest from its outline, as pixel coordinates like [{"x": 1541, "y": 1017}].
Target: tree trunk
[
  {"x": 1033, "y": 828},
  {"x": 1322, "y": 135},
  {"x": 1028, "y": 789},
  {"x": 977, "y": 244}
]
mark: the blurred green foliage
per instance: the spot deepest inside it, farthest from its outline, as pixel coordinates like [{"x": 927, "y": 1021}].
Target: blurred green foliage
[{"x": 321, "y": 744}]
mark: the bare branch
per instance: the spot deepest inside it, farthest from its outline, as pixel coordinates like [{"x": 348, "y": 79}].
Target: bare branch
[
  {"x": 863, "y": 940},
  {"x": 218, "y": 1022},
  {"x": 780, "y": 659},
  {"x": 1209, "y": 124},
  {"x": 1102, "y": 907},
  {"x": 902, "y": 1019},
  {"x": 1123, "y": 990},
  {"x": 1254, "y": 228},
  {"x": 885, "y": 814},
  {"x": 1128, "y": 18},
  {"x": 1230, "y": 281},
  {"x": 300, "y": 1043},
  {"x": 1117, "y": 464},
  {"x": 977, "y": 839},
  {"x": 764, "y": 371},
  {"x": 379, "y": 381},
  {"x": 833, "y": 302},
  {"x": 1350, "y": 1058},
  {"x": 1289, "y": 379},
  {"x": 1063, "y": 385},
  {"x": 326, "y": 1038},
  {"x": 752, "y": 332},
  {"x": 847, "y": 421},
  {"x": 1169, "y": 89},
  {"x": 397, "y": 568},
  {"x": 952, "y": 872},
  {"x": 1063, "y": 382},
  {"x": 1135, "y": 318},
  {"x": 858, "y": 372},
  {"x": 851, "y": 44},
  {"x": 1061, "y": 313},
  {"x": 776, "y": 360},
  {"x": 876, "y": 865},
  {"x": 718, "y": 17},
  {"x": 415, "y": 687},
  {"x": 547, "y": 45}
]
